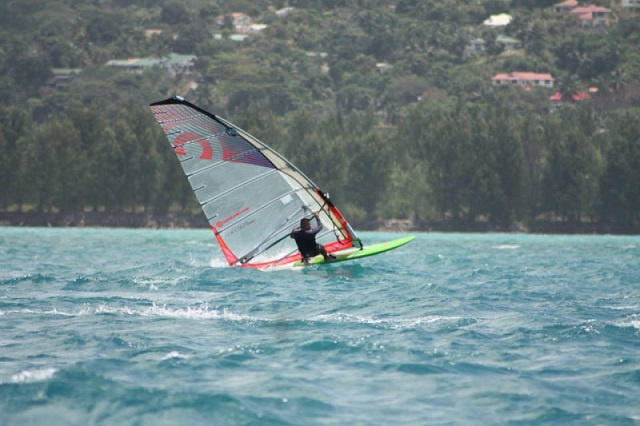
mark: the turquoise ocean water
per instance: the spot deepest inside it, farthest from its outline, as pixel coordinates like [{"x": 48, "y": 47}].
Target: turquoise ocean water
[{"x": 145, "y": 327}]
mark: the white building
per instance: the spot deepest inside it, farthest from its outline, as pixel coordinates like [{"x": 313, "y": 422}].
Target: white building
[{"x": 523, "y": 79}]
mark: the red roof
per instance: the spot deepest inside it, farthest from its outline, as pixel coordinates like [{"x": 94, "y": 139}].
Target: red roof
[
  {"x": 580, "y": 96},
  {"x": 590, "y": 9},
  {"x": 527, "y": 76}
]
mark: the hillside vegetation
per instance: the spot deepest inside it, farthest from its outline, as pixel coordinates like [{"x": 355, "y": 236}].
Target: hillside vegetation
[{"x": 376, "y": 101}]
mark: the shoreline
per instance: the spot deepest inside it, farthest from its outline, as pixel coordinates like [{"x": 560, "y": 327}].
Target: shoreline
[{"x": 197, "y": 221}]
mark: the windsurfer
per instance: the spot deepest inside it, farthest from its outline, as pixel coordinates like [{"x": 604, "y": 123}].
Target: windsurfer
[{"x": 305, "y": 237}]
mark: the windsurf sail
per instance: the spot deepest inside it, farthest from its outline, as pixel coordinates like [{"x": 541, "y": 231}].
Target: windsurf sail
[{"x": 251, "y": 196}]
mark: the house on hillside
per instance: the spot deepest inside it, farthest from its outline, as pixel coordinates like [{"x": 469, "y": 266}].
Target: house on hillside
[
  {"x": 240, "y": 21},
  {"x": 509, "y": 43},
  {"x": 382, "y": 67},
  {"x": 592, "y": 16},
  {"x": 524, "y": 79},
  {"x": 62, "y": 77},
  {"x": 476, "y": 45},
  {"x": 150, "y": 32},
  {"x": 173, "y": 64},
  {"x": 232, "y": 37}
]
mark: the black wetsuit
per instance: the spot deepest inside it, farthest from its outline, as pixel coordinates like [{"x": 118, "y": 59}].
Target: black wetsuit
[{"x": 306, "y": 240}]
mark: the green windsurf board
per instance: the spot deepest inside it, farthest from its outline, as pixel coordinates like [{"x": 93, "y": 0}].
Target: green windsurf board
[{"x": 356, "y": 253}]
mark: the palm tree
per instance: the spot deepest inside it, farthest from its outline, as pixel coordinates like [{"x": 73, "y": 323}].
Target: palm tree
[
  {"x": 568, "y": 87},
  {"x": 618, "y": 80}
]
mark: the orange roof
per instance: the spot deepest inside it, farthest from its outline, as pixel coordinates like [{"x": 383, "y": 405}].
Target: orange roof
[
  {"x": 522, "y": 76},
  {"x": 580, "y": 96}
]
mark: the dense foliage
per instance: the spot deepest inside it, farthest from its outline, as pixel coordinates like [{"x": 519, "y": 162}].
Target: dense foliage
[{"x": 375, "y": 100}]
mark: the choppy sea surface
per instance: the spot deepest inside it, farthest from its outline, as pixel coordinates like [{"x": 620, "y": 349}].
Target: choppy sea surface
[{"x": 146, "y": 327}]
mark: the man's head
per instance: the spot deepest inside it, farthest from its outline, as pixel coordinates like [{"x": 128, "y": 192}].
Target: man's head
[{"x": 305, "y": 224}]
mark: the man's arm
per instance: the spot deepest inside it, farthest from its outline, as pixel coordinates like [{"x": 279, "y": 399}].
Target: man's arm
[{"x": 318, "y": 226}]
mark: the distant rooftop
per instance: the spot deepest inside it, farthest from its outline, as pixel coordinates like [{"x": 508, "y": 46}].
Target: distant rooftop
[
  {"x": 284, "y": 11},
  {"x": 576, "y": 97},
  {"x": 171, "y": 59},
  {"x": 498, "y": 20},
  {"x": 232, "y": 37},
  {"x": 149, "y": 32},
  {"x": 507, "y": 40},
  {"x": 522, "y": 76}
]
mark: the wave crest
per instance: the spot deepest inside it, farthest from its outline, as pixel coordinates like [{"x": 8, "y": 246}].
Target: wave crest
[{"x": 31, "y": 376}]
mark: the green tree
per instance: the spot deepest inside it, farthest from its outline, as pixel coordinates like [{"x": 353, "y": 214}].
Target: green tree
[
  {"x": 448, "y": 143},
  {"x": 319, "y": 150},
  {"x": 91, "y": 124},
  {"x": 143, "y": 164},
  {"x": 505, "y": 199},
  {"x": 175, "y": 12},
  {"x": 70, "y": 159},
  {"x": 15, "y": 124},
  {"x": 620, "y": 192},
  {"x": 571, "y": 175},
  {"x": 533, "y": 144},
  {"x": 369, "y": 168},
  {"x": 8, "y": 173},
  {"x": 568, "y": 87},
  {"x": 40, "y": 158},
  {"x": 32, "y": 69},
  {"x": 127, "y": 194},
  {"x": 108, "y": 181}
]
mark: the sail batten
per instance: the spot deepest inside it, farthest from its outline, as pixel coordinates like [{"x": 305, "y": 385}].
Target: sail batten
[
  {"x": 220, "y": 162},
  {"x": 251, "y": 195},
  {"x": 257, "y": 210},
  {"x": 240, "y": 186}
]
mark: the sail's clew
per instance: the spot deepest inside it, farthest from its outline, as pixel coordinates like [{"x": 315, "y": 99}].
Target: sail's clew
[{"x": 251, "y": 195}]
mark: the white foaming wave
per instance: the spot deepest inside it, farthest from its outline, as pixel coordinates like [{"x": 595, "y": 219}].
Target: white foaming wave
[
  {"x": 507, "y": 247},
  {"x": 54, "y": 311},
  {"x": 277, "y": 268},
  {"x": 623, "y": 308},
  {"x": 198, "y": 313},
  {"x": 33, "y": 311},
  {"x": 30, "y": 376},
  {"x": 202, "y": 312},
  {"x": 154, "y": 283},
  {"x": 399, "y": 323},
  {"x": 218, "y": 263},
  {"x": 174, "y": 355},
  {"x": 633, "y": 321},
  {"x": 635, "y": 324},
  {"x": 589, "y": 327}
]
